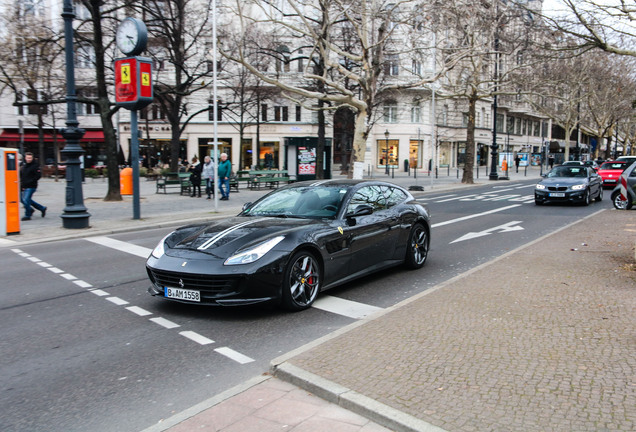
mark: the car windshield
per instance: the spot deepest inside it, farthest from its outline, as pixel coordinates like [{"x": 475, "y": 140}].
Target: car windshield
[
  {"x": 568, "y": 171},
  {"x": 613, "y": 166},
  {"x": 312, "y": 202}
]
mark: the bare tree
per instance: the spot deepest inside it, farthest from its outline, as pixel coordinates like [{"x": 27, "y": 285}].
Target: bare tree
[
  {"x": 377, "y": 27},
  {"x": 30, "y": 70},
  {"x": 179, "y": 31},
  {"x": 609, "y": 95},
  {"x": 606, "y": 24}
]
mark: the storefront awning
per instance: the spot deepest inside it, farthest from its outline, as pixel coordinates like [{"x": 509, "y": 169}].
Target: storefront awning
[{"x": 14, "y": 136}]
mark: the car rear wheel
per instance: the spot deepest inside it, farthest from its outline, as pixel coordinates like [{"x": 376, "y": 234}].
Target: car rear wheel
[
  {"x": 599, "y": 197},
  {"x": 302, "y": 281},
  {"x": 417, "y": 247}
]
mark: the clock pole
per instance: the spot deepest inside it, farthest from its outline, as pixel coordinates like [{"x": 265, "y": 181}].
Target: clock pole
[{"x": 75, "y": 214}]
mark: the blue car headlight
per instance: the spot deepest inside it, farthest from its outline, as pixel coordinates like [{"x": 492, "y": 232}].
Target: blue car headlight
[
  {"x": 540, "y": 186},
  {"x": 578, "y": 187},
  {"x": 253, "y": 254}
]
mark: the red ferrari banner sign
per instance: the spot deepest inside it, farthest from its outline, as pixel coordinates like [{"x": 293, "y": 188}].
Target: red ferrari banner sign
[{"x": 133, "y": 82}]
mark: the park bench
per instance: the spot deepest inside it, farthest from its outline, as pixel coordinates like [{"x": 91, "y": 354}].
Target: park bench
[
  {"x": 170, "y": 180},
  {"x": 269, "y": 178}
]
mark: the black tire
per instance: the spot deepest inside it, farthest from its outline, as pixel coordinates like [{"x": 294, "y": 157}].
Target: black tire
[
  {"x": 618, "y": 203},
  {"x": 599, "y": 198},
  {"x": 417, "y": 247},
  {"x": 538, "y": 202},
  {"x": 586, "y": 199},
  {"x": 302, "y": 281}
]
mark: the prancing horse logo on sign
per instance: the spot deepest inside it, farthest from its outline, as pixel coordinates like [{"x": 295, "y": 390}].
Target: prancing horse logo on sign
[{"x": 181, "y": 284}]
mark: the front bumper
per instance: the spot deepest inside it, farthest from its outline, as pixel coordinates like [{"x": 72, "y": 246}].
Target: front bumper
[
  {"x": 218, "y": 285},
  {"x": 569, "y": 196}
]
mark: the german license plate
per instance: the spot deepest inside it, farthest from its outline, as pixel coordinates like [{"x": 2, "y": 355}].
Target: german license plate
[
  {"x": 182, "y": 294},
  {"x": 557, "y": 194}
]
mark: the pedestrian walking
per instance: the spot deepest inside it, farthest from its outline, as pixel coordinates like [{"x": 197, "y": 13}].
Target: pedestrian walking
[
  {"x": 517, "y": 162},
  {"x": 195, "y": 177},
  {"x": 29, "y": 175},
  {"x": 224, "y": 172},
  {"x": 207, "y": 174}
]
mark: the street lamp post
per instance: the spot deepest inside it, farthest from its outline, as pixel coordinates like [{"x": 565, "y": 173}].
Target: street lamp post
[
  {"x": 386, "y": 156},
  {"x": 75, "y": 215}
]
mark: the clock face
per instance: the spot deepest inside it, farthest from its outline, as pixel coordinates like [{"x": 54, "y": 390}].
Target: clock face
[{"x": 131, "y": 36}]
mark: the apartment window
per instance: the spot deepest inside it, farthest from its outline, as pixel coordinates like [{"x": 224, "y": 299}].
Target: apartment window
[
  {"x": 219, "y": 110},
  {"x": 537, "y": 129},
  {"x": 464, "y": 119},
  {"x": 444, "y": 115},
  {"x": 301, "y": 63},
  {"x": 477, "y": 119},
  {"x": 483, "y": 117},
  {"x": 85, "y": 58},
  {"x": 86, "y": 108},
  {"x": 31, "y": 8},
  {"x": 390, "y": 112},
  {"x": 31, "y": 95},
  {"x": 416, "y": 114},
  {"x": 518, "y": 126},
  {"x": 392, "y": 65},
  {"x": 510, "y": 125},
  {"x": 298, "y": 113},
  {"x": 154, "y": 111},
  {"x": 416, "y": 67},
  {"x": 524, "y": 125},
  {"x": 500, "y": 122},
  {"x": 281, "y": 113},
  {"x": 264, "y": 112}
]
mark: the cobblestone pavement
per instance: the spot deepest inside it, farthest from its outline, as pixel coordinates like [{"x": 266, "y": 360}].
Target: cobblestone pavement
[{"x": 542, "y": 339}]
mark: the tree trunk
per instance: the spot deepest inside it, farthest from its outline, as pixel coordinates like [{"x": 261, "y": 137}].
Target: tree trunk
[
  {"x": 467, "y": 177},
  {"x": 359, "y": 140}
]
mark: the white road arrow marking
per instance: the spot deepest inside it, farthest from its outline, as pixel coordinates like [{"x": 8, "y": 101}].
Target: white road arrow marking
[{"x": 508, "y": 227}]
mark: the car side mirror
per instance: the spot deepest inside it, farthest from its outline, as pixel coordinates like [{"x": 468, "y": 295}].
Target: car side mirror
[
  {"x": 246, "y": 206},
  {"x": 360, "y": 210}
]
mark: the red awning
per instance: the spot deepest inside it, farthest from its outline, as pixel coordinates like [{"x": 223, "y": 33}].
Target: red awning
[{"x": 10, "y": 136}]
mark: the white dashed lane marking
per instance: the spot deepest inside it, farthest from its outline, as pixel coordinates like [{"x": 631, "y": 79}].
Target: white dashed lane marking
[{"x": 142, "y": 252}]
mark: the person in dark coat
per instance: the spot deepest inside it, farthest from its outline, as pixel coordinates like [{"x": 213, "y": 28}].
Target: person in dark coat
[
  {"x": 195, "y": 176},
  {"x": 29, "y": 175}
]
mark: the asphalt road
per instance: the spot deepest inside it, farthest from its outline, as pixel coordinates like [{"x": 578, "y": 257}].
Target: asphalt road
[{"x": 84, "y": 347}]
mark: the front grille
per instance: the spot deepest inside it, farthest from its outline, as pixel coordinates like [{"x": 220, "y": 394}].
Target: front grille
[
  {"x": 210, "y": 285},
  {"x": 557, "y": 189}
]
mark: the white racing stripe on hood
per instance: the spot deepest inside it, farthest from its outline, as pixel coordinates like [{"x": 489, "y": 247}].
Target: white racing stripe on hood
[
  {"x": 318, "y": 183},
  {"x": 227, "y": 231}
]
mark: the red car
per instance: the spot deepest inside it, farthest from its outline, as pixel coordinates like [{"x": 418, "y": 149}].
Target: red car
[{"x": 611, "y": 171}]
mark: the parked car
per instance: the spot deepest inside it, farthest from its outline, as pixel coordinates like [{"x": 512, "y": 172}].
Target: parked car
[
  {"x": 291, "y": 244},
  {"x": 630, "y": 159},
  {"x": 620, "y": 201},
  {"x": 569, "y": 184},
  {"x": 611, "y": 171},
  {"x": 572, "y": 163},
  {"x": 591, "y": 164}
]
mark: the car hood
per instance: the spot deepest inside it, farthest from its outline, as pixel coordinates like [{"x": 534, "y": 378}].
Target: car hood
[
  {"x": 225, "y": 237},
  {"x": 563, "y": 181}
]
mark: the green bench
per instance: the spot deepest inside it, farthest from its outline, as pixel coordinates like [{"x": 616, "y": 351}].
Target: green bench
[
  {"x": 170, "y": 181},
  {"x": 269, "y": 178}
]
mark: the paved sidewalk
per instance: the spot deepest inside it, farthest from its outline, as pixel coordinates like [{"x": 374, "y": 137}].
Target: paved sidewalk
[{"x": 542, "y": 338}]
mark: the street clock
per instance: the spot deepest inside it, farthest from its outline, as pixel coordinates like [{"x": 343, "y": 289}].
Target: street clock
[{"x": 132, "y": 36}]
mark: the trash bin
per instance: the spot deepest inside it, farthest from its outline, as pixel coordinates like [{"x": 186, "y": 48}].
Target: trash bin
[{"x": 126, "y": 181}]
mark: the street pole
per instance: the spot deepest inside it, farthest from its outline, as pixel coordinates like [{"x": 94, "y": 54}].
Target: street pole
[
  {"x": 134, "y": 160},
  {"x": 494, "y": 147},
  {"x": 386, "y": 156},
  {"x": 75, "y": 215},
  {"x": 215, "y": 110}
]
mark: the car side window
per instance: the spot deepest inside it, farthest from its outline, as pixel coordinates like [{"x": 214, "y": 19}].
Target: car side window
[
  {"x": 370, "y": 195},
  {"x": 394, "y": 196}
]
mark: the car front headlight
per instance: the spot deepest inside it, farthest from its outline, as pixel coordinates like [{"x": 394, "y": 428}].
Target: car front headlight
[
  {"x": 159, "y": 250},
  {"x": 540, "y": 186},
  {"x": 578, "y": 187},
  {"x": 253, "y": 254}
]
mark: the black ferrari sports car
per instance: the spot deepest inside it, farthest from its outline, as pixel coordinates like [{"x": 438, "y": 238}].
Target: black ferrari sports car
[{"x": 291, "y": 244}]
